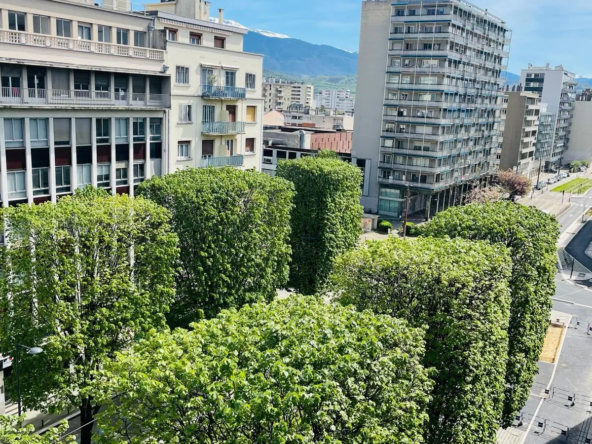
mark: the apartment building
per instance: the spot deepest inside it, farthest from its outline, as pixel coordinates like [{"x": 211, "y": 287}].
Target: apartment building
[
  {"x": 339, "y": 100},
  {"x": 520, "y": 133},
  {"x": 279, "y": 95},
  {"x": 86, "y": 95},
  {"x": 307, "y": 118},
  {"x": 216, "y": 116},
  {"x": 580, "y": 144},
  {"x": 84, "y": 100},
  {"x": 556, "y": 86},
  {"x": 428, "y": 103}
]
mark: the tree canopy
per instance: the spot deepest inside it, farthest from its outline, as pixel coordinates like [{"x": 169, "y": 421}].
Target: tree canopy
[
  {"x": 513, "y": 183},
  {"x": 326, "y": 219},
  {"x": 297, "y": 370},
  {"x": 233, "y": 229},
  {"x": 531, "y": 237},
  {"x": 459, "y": 290},
  {"x": 83, "y": 278},
  {"x": 12, "y": 431}
]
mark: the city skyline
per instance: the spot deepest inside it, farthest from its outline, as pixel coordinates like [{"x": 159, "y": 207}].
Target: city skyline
[{"x": 532, "y": 42}]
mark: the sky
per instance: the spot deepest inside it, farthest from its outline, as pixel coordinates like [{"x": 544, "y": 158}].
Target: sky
[{"x": 544, "y": 31}]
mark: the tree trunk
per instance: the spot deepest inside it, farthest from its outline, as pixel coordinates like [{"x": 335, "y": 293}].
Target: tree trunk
[{"x": 87, "y": 415}]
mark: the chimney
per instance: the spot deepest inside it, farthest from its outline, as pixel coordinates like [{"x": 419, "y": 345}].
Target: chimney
[
  {"x": 199, "y": 9},
  {"x": 206, "y": 14},
  {"x": 221, "y": 16}
]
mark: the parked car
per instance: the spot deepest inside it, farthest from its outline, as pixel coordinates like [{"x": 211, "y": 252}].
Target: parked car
[
  {"x": 540, "y": 185},
  {"x": 551, "y": 181}
]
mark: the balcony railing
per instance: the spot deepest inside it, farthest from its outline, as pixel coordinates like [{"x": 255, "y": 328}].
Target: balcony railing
[
  {"x": 223, "y": 128},
  {"x": 207, "y": 161},
  {"x": 59, "y": 97},
  {"x": 48, "y": 41},
  {"x": 222, "y": 92}
]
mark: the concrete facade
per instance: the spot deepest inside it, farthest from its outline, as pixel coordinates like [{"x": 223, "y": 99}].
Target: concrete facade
[
  {"x": 339, "y": 100},
  {"x": 428, "y": 103},
  {"x": 580, "y": 144},
  {"x": 556, "y": 86},
  {"x": 279, "y": 95},
  {"x": 520, "y": 133},
  {"x": 321, "y": 121}
]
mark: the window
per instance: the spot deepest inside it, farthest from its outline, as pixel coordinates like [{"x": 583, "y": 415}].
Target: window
[
  {"x": 102, "y": 83},
  {"x": 104, "y": 34},
  {"x": 103, "y": 175},
  {"x": 84, "y": 175},
  {"x": 185, "y": 115},
  {"x": 102, "y": 130},
  {"x": 209, "y": 113},
  {"x": 155, "y": 130},
  {"x": 250, "y": 146},
  {"x": 139, "y": 127},
  {"x": 195, "y": 39},
  {"x": 182, "y": 77},
  {"x": 219, "y": 42},
  {"x": 83, "y": 134},
  {"x": 40, "y": 24},
  {"x": 207, "y": 76},
  {"x": 64, "y": 28},
  {"x": 183, "y": 150},
  {"x": 13, "y": 133},
  {"x": 16, "y": 21},
  {"x": 81, "y": 81},
  {"x": 140, "y": 39},
  {"x": 40, "y": 181},
  {"x": 172, "y": 35},
  {"x": 38, "y": 131},
  {"x": 84, "y": 31},
  {"x": 121, "y": 176},
  {"x": 62, "y": 174},
  {"x": 230, "y": 78},
  {"x": 251, "y": 113},
  {"x": 230, "y": 147},
  {"x": 138, "y": 172},
  {"x": 121, "y": 130},
  {"x": 122, "y": 36},
  {"x": 250, "y": 81},
  {"x": 16, "y": 184},
  {"x": 61, "y": 132}
]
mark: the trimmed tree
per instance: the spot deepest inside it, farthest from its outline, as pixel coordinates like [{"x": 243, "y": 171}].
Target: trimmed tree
[
  {"x": 326, "y": 219},
  {"x": 82, "y": 278},
  {"x": 514, "y": 184},
  {"x": 12, "y": 431},
  {"x": 531, "y": 237},
  {"x": 297, "y": 370},
  {"x": 459, "y": 289},
  {"x": 233, "y": 229}
]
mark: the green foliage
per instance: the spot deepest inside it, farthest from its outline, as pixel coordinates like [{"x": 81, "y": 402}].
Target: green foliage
[
  {"x": 575, "y": 165},
  {"x": 327, "y": 154},
  {"x": 385, "y": 226},
  {"x": 12, "y": 431},
  {"x": 233, "y": 229},
  {"x": 412, "y": 230},
  {"x": 90, "y": 192},
  {"x": 91, "y": 274},
  {"x": 531, "y": 236},
  {"x": 459, "y": 289},
  {"x": 326, "y": 220},
  {"x": 293, "y": 371}
]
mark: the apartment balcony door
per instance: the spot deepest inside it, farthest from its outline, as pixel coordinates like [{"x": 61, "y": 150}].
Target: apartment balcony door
[
  {"x": 11, "y": 82},
  {"x": 36, "y": 83},
  {"x": 231, "y": 112},
  {"x": 207, "y": 148}
]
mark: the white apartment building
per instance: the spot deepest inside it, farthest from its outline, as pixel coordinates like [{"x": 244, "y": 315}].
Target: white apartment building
[
  {"x": 339, "y": 100},
  {"x": 280, "y": 95},
  {"x": 216, "y": 94},
  {"x": 321, "y": 121},
  {"x": 86, "y": 96},
  {"x": 429, "y": 97},
  {"x": 580, "y": 145},
  {"x": 556, "y": 86}
]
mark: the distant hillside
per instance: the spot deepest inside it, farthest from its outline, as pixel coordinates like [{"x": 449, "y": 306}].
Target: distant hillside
[{"x": 297, "y": 57}]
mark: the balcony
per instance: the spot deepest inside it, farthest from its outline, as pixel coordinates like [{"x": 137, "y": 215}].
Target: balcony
[
  {"x": 222, "y": 161},
  {"x": 222, "y": 92},
  {"x": 420, "y": 136},
  {"x": 19, "y": 97},
  {"x": 223, "y": 128},
  {"x": 87, "y": 46}
]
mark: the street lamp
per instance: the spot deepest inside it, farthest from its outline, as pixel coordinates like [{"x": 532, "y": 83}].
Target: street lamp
[{"x": 30, "y": 351}]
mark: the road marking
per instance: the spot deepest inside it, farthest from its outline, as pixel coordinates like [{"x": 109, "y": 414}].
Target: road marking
[
  {"x": 548, "y": 386},
  {"x": 571, "y": 303}
]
